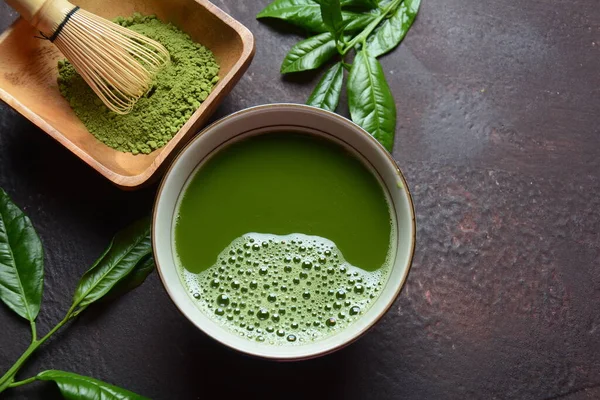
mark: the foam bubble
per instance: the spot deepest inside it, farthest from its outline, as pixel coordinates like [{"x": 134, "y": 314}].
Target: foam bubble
[{"x": 289, "y": 290}]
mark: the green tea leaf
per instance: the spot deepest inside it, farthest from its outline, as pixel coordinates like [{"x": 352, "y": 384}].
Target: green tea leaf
[
  {"x": 128, "y": 248},
  {"x": 378, "y": 16},
  {"x": 357, "y": 21},
  {"x": 133, "y": 280},
  {"x": 307, "y": 14},
  {"x": 369, "y": 4},
  {"x": 391, "y": 32},
  {"x": 303, "y": 13},
  {"x": 327, "y": 93},
  {"x": 78, "y": 387},
  {"x": 21, "y": 261},
  {"x": 309, "y": 54},
  {"x": 371, "y": 102},
  {"x": 331, "y": 13}
]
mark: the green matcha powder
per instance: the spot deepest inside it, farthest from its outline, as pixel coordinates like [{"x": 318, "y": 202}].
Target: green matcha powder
[{"x": 178, "y": 91}]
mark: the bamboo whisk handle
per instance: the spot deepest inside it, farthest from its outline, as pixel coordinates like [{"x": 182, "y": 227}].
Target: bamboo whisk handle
[{"x": 45, "y": 15}]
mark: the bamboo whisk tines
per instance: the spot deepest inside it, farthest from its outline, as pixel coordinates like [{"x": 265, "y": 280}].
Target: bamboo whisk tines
[{"x": 117, "y": 63}]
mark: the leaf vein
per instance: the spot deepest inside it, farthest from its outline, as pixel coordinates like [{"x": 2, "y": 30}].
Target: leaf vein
[{"x": 14, "y": 262}]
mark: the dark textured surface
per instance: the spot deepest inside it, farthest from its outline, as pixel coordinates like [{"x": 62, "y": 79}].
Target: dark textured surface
[{"x": 499, "y": 137}]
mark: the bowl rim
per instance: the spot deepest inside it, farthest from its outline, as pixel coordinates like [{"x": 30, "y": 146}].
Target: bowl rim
[
  {"x": 152, "y": 171},
  {"x": 392, "y": 298}
]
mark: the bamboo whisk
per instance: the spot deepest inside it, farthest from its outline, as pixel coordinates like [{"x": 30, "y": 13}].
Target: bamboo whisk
[{"x": 118, "y": 63}]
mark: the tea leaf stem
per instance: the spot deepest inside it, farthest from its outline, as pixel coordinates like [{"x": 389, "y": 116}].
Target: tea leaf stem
[
  {"x": 8, "y": 378},
  {"x": 361, "y": 37},
  {"x": 33, "y": 331},
  {"x": 23, "y": 382}
]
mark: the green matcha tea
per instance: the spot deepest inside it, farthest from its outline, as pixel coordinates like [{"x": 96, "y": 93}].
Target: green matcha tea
[
  {"x": 177, "y": 92},
  {"x": 284, "y": 238}
]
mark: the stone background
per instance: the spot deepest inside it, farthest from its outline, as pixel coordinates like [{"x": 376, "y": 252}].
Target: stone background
[{"x": 499, "y": 138}]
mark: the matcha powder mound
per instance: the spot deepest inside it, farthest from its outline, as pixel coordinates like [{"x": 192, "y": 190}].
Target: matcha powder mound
[{"x": 178, "y": 91}]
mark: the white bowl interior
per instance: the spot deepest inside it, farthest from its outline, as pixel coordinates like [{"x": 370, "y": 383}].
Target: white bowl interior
[{"x": 282, "y": 117}]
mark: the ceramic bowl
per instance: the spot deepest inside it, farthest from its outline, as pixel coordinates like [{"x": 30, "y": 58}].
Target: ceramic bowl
[
  {"x": 28, "y": 72},
  {"x": 282, "y": 118}
]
